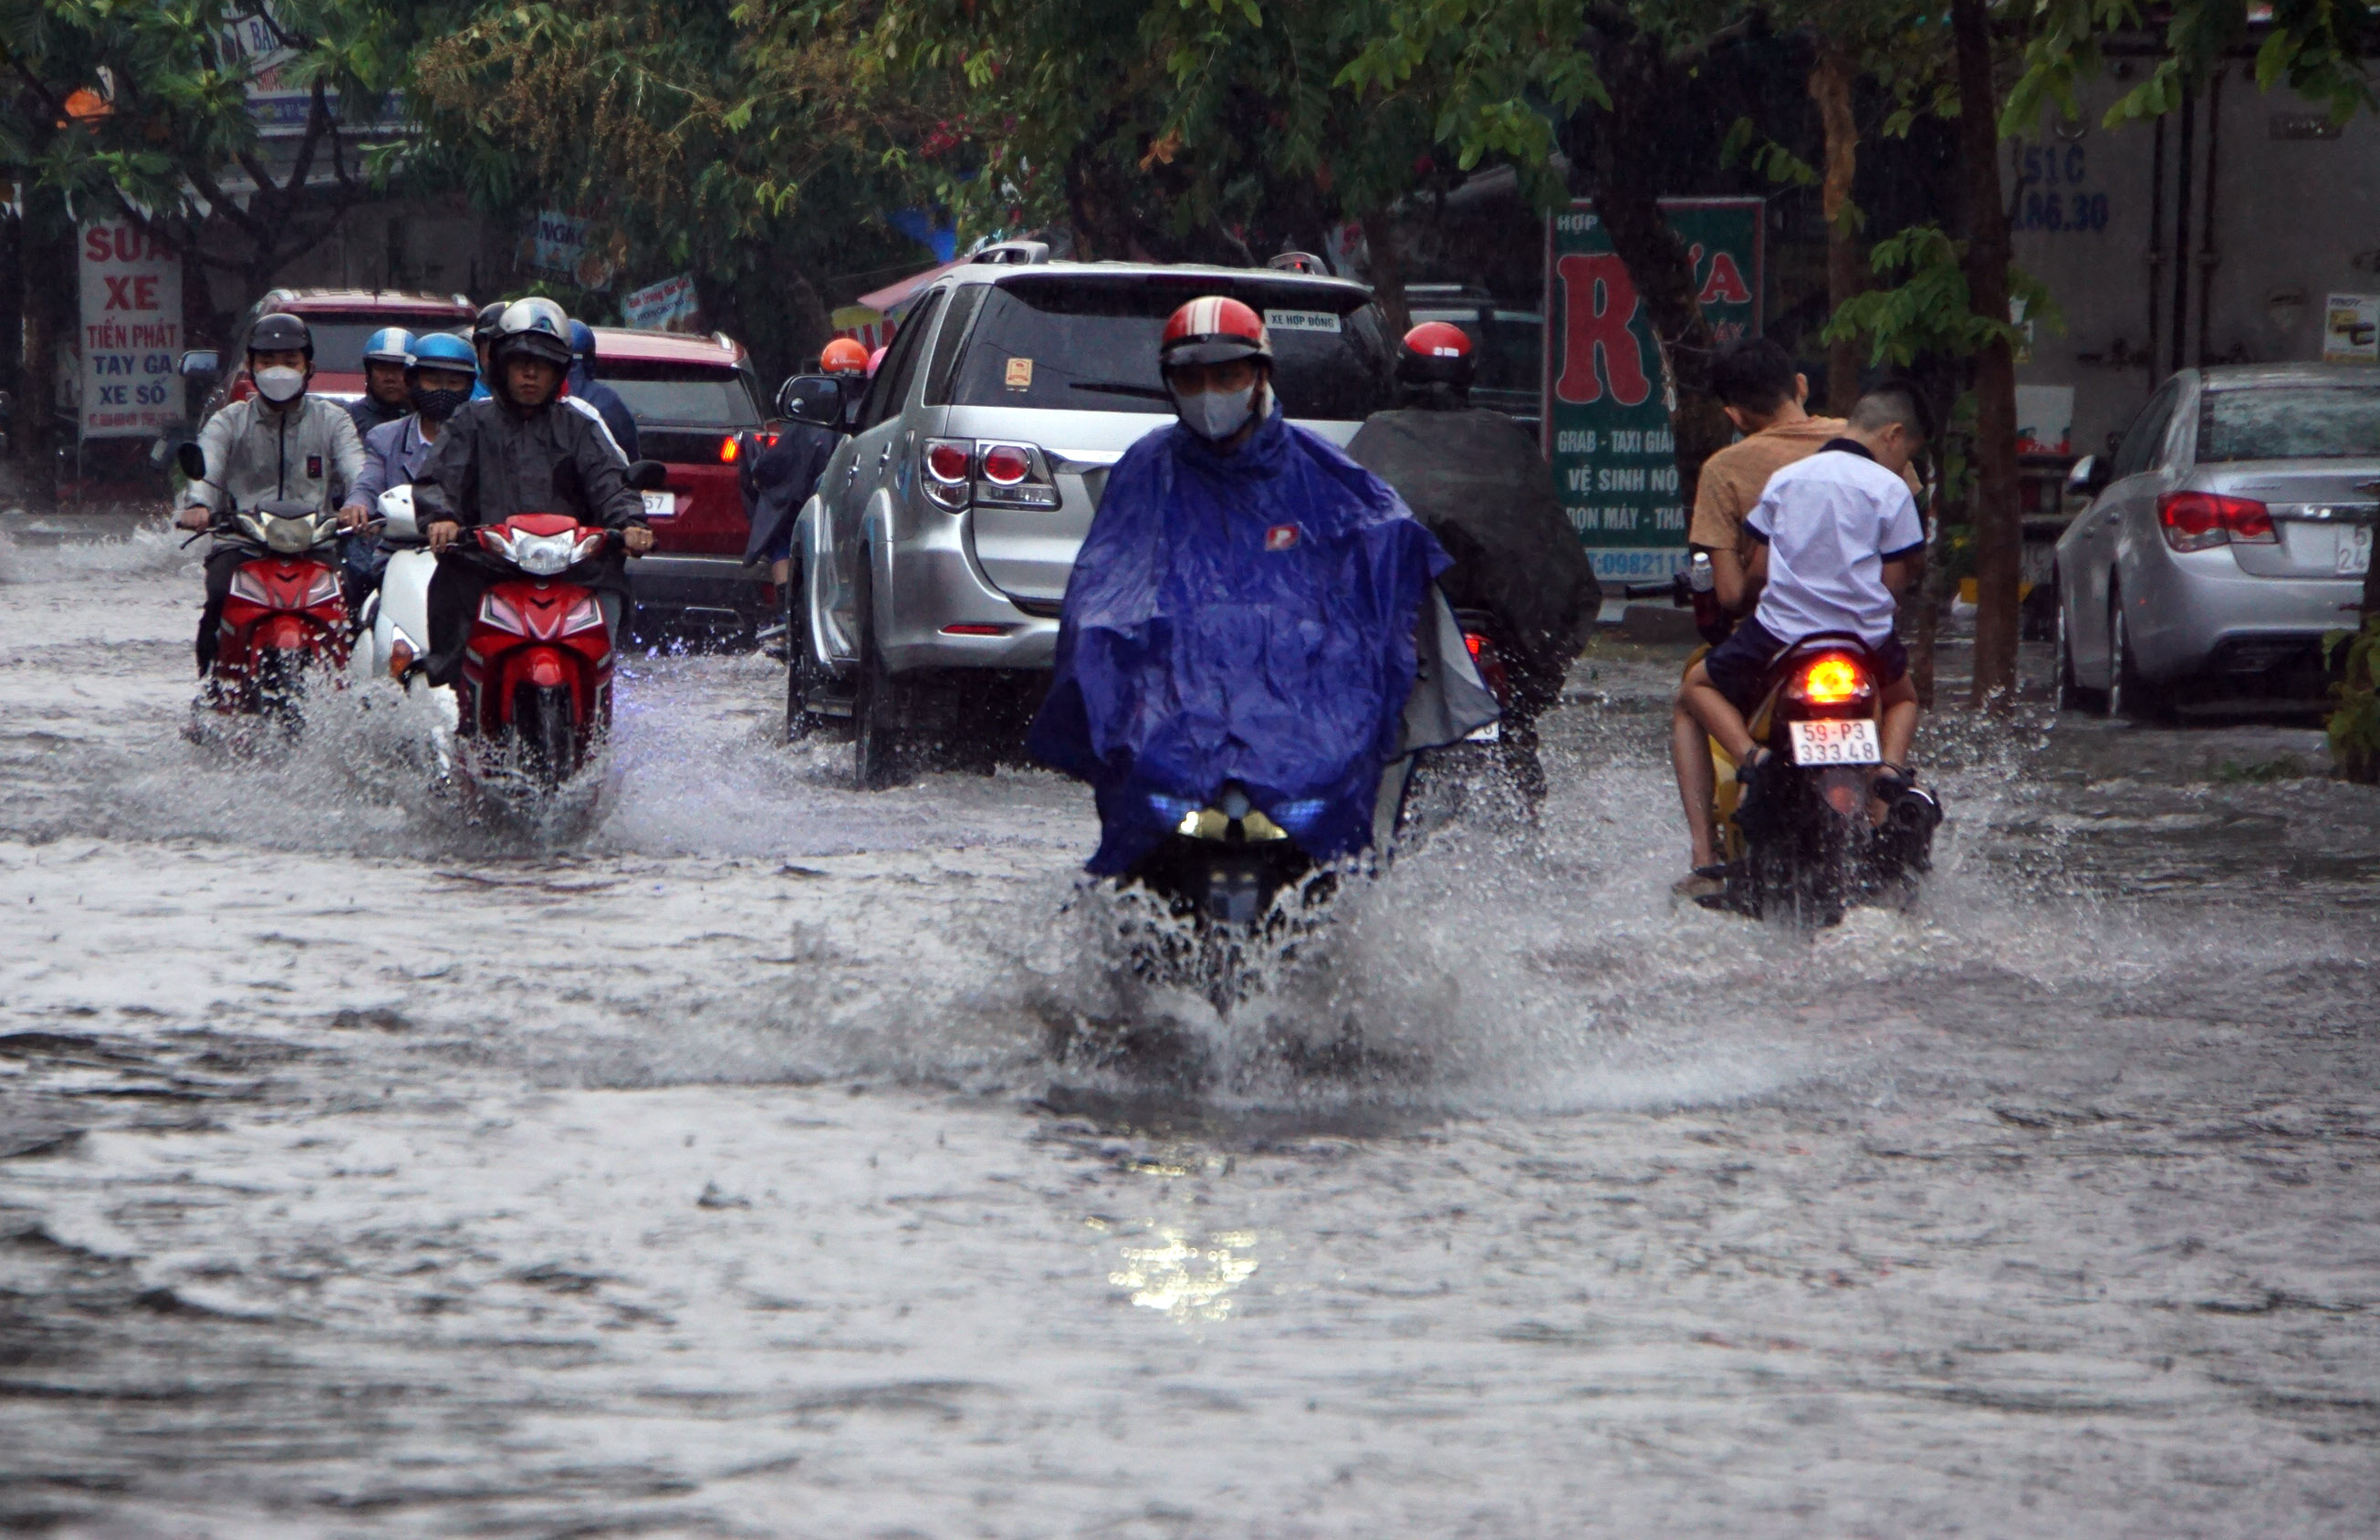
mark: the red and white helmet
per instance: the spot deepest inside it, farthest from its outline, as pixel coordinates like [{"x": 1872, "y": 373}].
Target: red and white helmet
[
  {"x": 1214, "y": 329},
  {"x": 1435, "y": 353}
]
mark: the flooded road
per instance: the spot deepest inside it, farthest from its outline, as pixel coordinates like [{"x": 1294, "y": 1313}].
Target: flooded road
[{"x": 364, "y": 1177}]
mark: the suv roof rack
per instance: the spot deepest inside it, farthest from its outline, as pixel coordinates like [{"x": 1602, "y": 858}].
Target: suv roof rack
[{"x": 1015, "y": 253}]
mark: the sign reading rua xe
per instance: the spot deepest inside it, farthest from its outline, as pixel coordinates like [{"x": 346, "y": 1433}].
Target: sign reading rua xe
[{"x": 1607, "y": 421}]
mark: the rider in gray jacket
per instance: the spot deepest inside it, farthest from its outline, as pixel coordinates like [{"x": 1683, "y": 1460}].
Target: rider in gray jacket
[
  {"x": 281, "y": 443},
  {"x": 521, "y": 450}
]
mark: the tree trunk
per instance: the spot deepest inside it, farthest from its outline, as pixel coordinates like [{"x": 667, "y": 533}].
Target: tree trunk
[
  {"x": 51, "y": 304},
  {"x": 1830, "y": 88},
  {"x": 1628, "y": 200},
  {"x": 1387, "y": 269},
  {"x": 1999, "y": 529}
]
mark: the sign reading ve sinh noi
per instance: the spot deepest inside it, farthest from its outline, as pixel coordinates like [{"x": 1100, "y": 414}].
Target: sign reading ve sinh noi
[{"x": 1606, "y": 396}]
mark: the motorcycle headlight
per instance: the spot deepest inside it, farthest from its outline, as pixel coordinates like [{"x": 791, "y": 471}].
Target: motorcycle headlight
[
  {"x": 544, "y": 555},
  {"x": 289, "y": 537}
]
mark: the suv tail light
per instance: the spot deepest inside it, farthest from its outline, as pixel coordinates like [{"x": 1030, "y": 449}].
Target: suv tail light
[
  {"x": 960, "y": 473},
  {"x": 2196, "y": 521},
  {"x": 1489, "y": 661},
  {"x": 729, "y": 450}
]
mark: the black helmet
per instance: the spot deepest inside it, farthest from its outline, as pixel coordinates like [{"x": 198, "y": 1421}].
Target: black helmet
[
  {"x": 485, "y": 326},
  {"x": 537, "y": 327},
  {"x": 279, "y": 331}
]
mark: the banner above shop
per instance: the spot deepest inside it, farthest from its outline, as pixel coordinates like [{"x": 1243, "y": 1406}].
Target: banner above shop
[
  {"x": 131, "y": 332},
  {"x": 1607, "y": 391},
  {"x": 668, "y": 305}
]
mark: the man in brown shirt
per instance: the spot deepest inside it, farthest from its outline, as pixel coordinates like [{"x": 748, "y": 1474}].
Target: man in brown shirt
[{"x": 1762, "y": 395}]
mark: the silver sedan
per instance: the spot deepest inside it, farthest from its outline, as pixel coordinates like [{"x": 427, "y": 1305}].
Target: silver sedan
[{"x": 2226, "y": 534}]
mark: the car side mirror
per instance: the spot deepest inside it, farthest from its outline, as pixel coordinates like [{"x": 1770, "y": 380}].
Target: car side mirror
[
  {"x": 647, "y": 476},
  {"x": 2090, "y": 475},
  {"x": 812, "y": 398},
  {"x": 200, "y": 363},
  {"x": 192, "y": 461}
]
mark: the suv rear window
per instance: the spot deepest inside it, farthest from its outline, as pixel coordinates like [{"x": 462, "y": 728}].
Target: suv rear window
[
  {"x": 677, "y": 395},
  {"x": 1076, "y": 344},
  {"x": 339, "y": 339},
  {"x": 2289, "y": 422}
]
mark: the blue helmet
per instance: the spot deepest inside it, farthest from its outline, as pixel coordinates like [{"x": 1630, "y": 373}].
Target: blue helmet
[
  {"x": 387, "y": 346},
  {"x": 582, "y": 341},
  {"x": 444, "y": 350}
]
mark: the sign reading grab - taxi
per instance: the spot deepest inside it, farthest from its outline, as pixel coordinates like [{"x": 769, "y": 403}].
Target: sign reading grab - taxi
[
  {"x": 1606, "y": 401},
  {"x": 131, "y": 332}
]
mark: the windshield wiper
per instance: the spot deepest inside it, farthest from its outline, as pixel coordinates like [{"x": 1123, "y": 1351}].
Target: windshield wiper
[{"x": 1117, "y": 387}]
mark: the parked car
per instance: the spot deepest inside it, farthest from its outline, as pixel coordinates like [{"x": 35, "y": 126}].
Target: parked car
[
  {"x": 698, "y": 407},
  {"x": 935, "y": 553},
  {"x": 2230, "y": 531},
  {"x": 341, "y": 320}
]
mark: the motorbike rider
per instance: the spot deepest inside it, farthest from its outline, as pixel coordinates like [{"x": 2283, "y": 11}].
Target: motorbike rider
[
  {"x": 776, "y": 484},
  {"x": 439, "y": 375},
  {"x": 1481, "y": 486},
  {"x": 582, "y": 385},
  {"x": 520, "y": 452},
  {"x": 484, "y": 337},
  {"x": 1835, "y": 538},
  {"x": 1763, "y": 395},
  {"x": 1243, "y": 610},
  {"x": 384, "y": 397},
  {"x": 279, "y": 444}
]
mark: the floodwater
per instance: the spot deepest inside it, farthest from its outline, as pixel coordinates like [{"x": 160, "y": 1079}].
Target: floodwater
[{"x": 362, "y": 1176}]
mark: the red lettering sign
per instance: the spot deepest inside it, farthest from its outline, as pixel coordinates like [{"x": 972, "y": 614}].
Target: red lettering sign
[
  {"x": 1600, "y": 301},
  {"x": 1726, "y": 284}
]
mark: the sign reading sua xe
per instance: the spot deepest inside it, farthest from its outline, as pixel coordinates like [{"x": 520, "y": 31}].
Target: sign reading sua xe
[
  {"x": 1607, "y": 392},
  {"x": 131, "y": 332}
]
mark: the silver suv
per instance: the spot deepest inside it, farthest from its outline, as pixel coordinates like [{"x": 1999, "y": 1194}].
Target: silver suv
[{"x": 934, "y": 555}]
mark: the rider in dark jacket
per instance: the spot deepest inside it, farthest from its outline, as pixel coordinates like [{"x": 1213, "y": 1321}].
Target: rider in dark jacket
[
  {"x": 777, "y": 484},
  {"x": 606, "y": 401},
  {"x": 1477, "y": 480},
  {"x": 515, "y": 453}
]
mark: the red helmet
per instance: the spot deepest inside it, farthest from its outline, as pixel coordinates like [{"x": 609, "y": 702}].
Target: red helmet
[
  {"x": 844, "y": 356},
  {"x": 1213, "y": 329},
  {"x": 1435, "y": 352}
]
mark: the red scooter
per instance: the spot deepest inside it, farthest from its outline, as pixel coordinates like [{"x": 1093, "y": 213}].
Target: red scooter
[
  {"x": 286, "y": 615},
  {"x": 536, "y": 700}
]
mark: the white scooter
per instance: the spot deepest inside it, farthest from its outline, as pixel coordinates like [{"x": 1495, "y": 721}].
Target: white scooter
[{"x": 398, "y": 617}]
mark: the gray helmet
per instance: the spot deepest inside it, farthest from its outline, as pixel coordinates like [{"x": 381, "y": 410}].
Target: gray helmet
[
  {"x": 280, "y": 331},
  {"x": 485, "y": 327},
  {"x": 537, "y": 327}
]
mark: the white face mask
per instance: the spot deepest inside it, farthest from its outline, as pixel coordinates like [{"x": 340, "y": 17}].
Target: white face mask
[
  {"x": 1216, "y": 414},
  {"x": 280, "y": 385}
]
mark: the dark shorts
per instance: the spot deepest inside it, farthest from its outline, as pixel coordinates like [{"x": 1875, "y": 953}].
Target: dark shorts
[{"x": 1738, "y": 667}]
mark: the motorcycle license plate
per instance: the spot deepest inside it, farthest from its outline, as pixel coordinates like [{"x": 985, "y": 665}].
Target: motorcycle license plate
[
  {"x": 661, "y": 504},
  {"x": 1836, "y": 743},
  {"x": 1486, "y": 732},
  {"x": 2354, "y": 550}
]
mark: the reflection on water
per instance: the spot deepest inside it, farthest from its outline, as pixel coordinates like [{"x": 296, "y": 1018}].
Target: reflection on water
[{"x": 1190, "y": 1281}]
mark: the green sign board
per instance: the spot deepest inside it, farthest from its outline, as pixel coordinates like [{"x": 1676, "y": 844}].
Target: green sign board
[{"x": 1606, "y": 401}]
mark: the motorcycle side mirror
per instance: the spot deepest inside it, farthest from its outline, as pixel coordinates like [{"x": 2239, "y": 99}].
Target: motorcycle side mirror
[
  {"x": 192, "y": 461},
  {"x": 647, "y": 476},
  {"x": 812, "y": 398},
  {"x": 396, "y": 515},
  {"x": 200, "y": 363}
]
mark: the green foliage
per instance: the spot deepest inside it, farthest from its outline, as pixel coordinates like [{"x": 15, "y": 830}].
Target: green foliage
[
  {"x": 1764, "y": 156},
  {"x": 2355, "y": 722},
  {"x": 2315, "y": 47},
  {"x": 1929, "y": 309}
]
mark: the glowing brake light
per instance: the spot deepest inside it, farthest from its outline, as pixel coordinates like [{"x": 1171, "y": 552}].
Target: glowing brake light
[
  {"x": 2195, "y": 521},
  {"x": 728, "y": 450},
  {"x": 1832, "y": 680}
]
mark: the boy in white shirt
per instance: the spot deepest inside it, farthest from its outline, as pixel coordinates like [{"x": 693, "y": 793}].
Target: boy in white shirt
[{"x": 1836, "y": 541}]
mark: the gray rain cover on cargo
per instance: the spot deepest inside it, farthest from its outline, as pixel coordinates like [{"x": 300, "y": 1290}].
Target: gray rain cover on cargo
[{"x": 1480, "y": 485}]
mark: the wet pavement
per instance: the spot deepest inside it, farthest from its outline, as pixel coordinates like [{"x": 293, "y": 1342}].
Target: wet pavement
[{"x": 361, "y": 1175}]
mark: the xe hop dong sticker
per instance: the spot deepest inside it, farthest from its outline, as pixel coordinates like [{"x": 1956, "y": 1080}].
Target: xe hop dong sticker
[
  {"x": 1302, "y": 321},
  {"x": 1020, "y": 374}
]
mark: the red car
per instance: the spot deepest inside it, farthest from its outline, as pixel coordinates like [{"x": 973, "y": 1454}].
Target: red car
[
  {"x": 697, "y": 402},
  {"x": 341, "y": 320}
]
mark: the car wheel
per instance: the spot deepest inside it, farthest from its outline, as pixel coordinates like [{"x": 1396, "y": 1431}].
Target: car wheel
[
  {"x": 2129, "y": 696},
  {"x": 882, "y": 753},
  {"x": 2071, "y": 695},
  {"x": 807, "y": 679}
]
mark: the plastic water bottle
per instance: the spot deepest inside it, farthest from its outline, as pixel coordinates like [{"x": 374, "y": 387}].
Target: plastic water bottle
[{"x": 1702, "y": 590}]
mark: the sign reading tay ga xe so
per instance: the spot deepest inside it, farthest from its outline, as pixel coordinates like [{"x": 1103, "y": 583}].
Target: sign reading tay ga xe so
[
  {"x": 131, "y": 332},
  {"x": 1607, "y": 403}
]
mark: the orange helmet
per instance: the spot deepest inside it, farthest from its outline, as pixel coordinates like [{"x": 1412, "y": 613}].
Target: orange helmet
[
  {"x": 1435, "y": 352},
  {"x": 844, "y": 356}
]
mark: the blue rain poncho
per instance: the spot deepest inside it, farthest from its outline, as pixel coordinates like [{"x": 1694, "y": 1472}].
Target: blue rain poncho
[{"x": 1242, "y": 617}]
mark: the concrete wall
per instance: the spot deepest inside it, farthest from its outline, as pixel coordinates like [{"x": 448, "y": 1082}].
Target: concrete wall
[{"x": 2294, "y": 215}]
